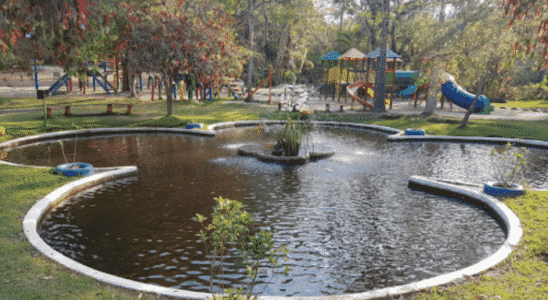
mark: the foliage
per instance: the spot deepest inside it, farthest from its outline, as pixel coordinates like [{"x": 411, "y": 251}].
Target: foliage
[
  {"x": 527, "y": 12},
  {"x": 508, "y": 163},
  {"x": 420, "y": 79},
  {"x": 67, "y": 32},
  {"x": 194, "y": 37},
  {"x": 231, "y": 227},
  {"x": 289, "y": 76},
  {"x": 532, "y": 91},
  {"x": 474, "y": 48}
]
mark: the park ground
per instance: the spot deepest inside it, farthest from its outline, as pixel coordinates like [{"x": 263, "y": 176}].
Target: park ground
[{"x": 27, "y": 274}]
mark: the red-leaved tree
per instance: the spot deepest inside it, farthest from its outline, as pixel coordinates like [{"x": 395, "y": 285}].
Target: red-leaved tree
[
  {"x": 178, "y": 37},
  {"x": 56, "y": 30},
  {"x": 534, "y": 41}
]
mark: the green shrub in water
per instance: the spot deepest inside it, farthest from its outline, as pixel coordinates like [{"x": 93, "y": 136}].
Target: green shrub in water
[
  {"x": 508, "y": 163},
  {"x": 231, "y": 227}
]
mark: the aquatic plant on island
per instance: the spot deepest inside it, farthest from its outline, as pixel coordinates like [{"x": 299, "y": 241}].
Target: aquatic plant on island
[
  {"x": 289, "y": 140},
  {"x": 231, "y": 227}
]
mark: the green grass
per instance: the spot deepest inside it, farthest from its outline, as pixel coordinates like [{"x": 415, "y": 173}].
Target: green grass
[
  {"x": 144, "y": 114},
  {"x": 26, "y": 274},
  {"x": 22, "y": 103},
  {"x": 523, "y": 104},
  {"x": 435, "y": 125}
]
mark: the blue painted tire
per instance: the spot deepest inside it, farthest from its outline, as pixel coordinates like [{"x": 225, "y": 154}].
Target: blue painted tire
[
  {"x": 194, "y": 125},
  {"x": 70, "y": 171},
  {"x": 411, "y": 131},
  {"x": 491, "y": 189}
]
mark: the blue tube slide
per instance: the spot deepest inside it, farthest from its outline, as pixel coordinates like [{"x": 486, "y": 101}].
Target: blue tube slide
[{"x": 458, "y": 96}]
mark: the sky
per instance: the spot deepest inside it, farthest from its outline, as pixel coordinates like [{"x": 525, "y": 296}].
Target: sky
[{"x": 327, "y": 6}]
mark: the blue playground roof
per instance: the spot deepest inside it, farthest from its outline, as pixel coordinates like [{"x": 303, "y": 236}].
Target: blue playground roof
[
  {"x": 389, "y": 54},
  {"x": 333, "y": 55}
]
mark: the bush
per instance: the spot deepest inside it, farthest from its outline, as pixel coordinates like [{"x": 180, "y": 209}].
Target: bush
[
  {"x": 507, "y": 164},
  {"x": 231, "y": 228},
  {"x": 534, "y": 91},
  {"x": 308, "y": 65},
  {"x": 289, "y": 77}
]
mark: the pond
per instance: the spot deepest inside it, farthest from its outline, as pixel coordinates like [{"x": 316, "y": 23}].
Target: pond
[{"x": 350, "y": 221}]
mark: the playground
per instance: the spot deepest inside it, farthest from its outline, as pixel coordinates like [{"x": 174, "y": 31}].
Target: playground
[{"x": 347, "y": 86}]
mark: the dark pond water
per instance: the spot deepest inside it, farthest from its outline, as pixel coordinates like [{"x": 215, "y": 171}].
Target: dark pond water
[{"x": 350, "y": 221}]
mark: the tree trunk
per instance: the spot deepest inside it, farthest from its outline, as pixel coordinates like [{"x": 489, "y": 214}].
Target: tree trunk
[
  {"x": 381, "y": 63},
  {"x": 442, "y": 11},
  {"x": 278, "y": 64},
  {"x": 468, "y": 113},
  {"x": 132, "y": 85},
  {"x": 431, "y": 101},
  {"x": 125, "y": 75},
  {"x": 251, "y": 17},
  {"x": 462, "y": 125},
  {"x": 341, "y": 18},
  {"x": 393, "y": 37},
  {"x": 169, "y": 94}
]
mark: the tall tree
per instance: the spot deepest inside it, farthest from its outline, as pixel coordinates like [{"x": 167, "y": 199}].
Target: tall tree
[
  {"x": 194, "y": 38},
  {"x": 380, "y": 81},
  {"x": 251, "y": 23}
]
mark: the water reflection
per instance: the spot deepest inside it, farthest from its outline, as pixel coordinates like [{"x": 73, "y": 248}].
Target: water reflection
[{"x": 350, "y": 220}]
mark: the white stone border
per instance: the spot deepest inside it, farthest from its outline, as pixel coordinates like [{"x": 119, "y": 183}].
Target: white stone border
[
  {"x": 401, "y": 137},
  {"x": 34, "y": 215},
  {"x": 237, "y": 124}
]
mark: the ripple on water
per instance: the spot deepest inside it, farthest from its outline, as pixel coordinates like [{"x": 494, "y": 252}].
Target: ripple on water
[{"x": 350, "y": 221}]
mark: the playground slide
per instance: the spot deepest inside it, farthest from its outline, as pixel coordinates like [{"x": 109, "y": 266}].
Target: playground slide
[
  {"x": 457, "y": 95},
  {"x": 408, "y": 91},
  {"x": 353, "y": 91}
]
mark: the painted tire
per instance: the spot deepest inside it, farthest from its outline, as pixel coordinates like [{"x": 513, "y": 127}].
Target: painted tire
[
  {"x": 490, "y": 189},
  {"x": 67, "y": 169},
  {"x": 410, "y": 131},
  {"x": 194, "y": 125}
]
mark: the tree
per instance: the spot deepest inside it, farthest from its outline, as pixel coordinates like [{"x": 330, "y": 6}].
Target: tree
[
  {"x": 183, "y": 38},
  {"x": 535, "y": 11},
  {"x": 475, "y": 47},
  {"x": 58, "y": 30},
  {"x": 63, "y": 34},
  {"x": 379, "y": 105}
]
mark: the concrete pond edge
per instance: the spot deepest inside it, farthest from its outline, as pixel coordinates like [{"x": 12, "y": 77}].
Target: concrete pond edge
[{"x": 506, "y": 218}]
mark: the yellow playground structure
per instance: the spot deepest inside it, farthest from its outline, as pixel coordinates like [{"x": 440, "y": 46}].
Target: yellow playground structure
[{"x": 356, "y": 72}]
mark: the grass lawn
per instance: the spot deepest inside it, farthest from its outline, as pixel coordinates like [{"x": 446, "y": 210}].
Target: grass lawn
[
  {"x": 19, "y": 103},
  {"x": 26, "y": 274},
  {"x": 524, "y": 104}
]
